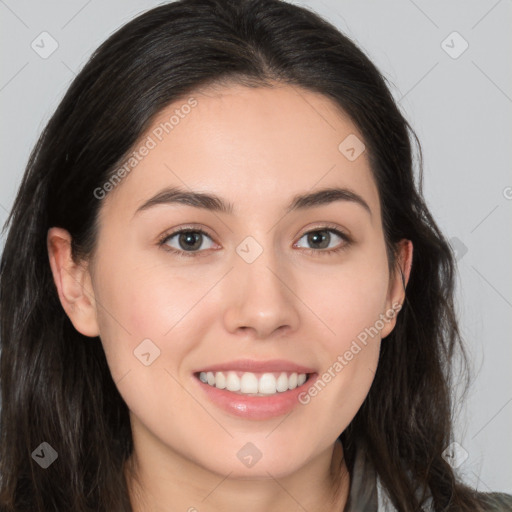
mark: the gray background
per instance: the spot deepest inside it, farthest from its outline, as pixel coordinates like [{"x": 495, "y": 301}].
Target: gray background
[{"x": 460, "y": 107}]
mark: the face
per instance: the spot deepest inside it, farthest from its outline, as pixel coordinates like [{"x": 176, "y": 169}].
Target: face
[{"x": 262, "y": 288}]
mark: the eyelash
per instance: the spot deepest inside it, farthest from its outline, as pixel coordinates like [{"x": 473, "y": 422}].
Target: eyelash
[{"x": 162, "y": 242}]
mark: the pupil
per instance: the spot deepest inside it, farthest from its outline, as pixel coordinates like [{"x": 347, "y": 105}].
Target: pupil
[
  {"x": 314, "y": 238},
  {"x": 190, "y": 238}
]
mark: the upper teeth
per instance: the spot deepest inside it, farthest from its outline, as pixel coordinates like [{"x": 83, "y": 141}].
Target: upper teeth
[{"x": 251, "y": 383}]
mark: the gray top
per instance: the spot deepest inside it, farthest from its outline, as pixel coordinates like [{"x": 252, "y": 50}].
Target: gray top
[{"x": 368, "y": 495}]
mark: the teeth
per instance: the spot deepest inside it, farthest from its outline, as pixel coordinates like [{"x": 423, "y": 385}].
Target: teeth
[
  {"x": 219, "y": 381},
  {"x": 267, "y": 384},
  {"x": 248, "y": 383},
  {"x": 232, "y": 382}
]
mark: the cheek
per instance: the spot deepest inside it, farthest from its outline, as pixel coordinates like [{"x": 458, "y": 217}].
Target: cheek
[
  {"x": 350, "y": 349},
  {"x": 136, "y": 303},
  {"x": 145, "y": 318},
  {"x": 348, "y": 302}
]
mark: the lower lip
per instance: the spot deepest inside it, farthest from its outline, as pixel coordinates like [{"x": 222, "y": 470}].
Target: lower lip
[{"x": 255, "y": 407}]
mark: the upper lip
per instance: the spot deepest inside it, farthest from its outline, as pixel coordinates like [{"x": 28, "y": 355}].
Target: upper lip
[{"x": 250, "y": 365}]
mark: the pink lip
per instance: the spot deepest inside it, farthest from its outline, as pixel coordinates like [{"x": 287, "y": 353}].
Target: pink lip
[
  {"x": 249, "y": 365},
  {"x": 255, "y": 407}
]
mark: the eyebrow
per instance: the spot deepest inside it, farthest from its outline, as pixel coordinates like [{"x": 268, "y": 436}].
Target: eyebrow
[{"x": 212, "y": 202}]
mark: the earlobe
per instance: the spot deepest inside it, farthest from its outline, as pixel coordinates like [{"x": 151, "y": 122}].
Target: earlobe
[{"x": 73, "y": 283}]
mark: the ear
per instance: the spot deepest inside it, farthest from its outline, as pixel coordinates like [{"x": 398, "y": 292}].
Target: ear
[
  {"x": 396, "y": 289},
  {"x": 73, "y": 283}
]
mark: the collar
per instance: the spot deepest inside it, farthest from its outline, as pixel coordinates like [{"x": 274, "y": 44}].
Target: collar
[{"x": 366, "y": 490}]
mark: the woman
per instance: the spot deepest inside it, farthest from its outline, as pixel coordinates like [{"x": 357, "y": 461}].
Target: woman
[{"x": 208, "y": 293}]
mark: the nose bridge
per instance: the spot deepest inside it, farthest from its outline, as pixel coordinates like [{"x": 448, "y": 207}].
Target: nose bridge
[{"x": 261, "y": 296}]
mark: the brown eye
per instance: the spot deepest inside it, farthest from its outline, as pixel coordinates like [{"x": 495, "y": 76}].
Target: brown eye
[
  {"x": 320, "y": 240},
  {"x": 187, "y": 240}
]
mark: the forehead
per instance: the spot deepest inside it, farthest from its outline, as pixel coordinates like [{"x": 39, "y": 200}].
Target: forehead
[{"x": 249, "y": 145}]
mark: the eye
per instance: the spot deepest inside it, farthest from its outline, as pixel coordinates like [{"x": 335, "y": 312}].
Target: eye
[
  {"x": 189, "y": 241},
  {"x": 321, "y": 239}
]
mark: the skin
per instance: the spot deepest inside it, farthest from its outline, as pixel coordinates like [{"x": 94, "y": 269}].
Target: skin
[{"x": 256, "y": 148}]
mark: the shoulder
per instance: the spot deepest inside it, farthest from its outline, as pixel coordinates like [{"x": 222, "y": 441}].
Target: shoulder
[{"x": 496, "y": 501}]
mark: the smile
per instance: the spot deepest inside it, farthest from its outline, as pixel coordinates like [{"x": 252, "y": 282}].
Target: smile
[{"x": 254, "y": 384}]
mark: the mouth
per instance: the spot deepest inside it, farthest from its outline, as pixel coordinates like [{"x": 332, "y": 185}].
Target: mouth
[
  {"x": 262, "y": 384},
  {"x": 254, "y": 389}
]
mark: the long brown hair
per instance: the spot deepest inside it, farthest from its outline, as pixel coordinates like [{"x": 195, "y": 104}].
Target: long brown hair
[{"x": 56, "y": 386}]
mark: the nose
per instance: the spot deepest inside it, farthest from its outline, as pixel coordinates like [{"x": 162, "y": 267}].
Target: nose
[{"x": 260, "y": 297}]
